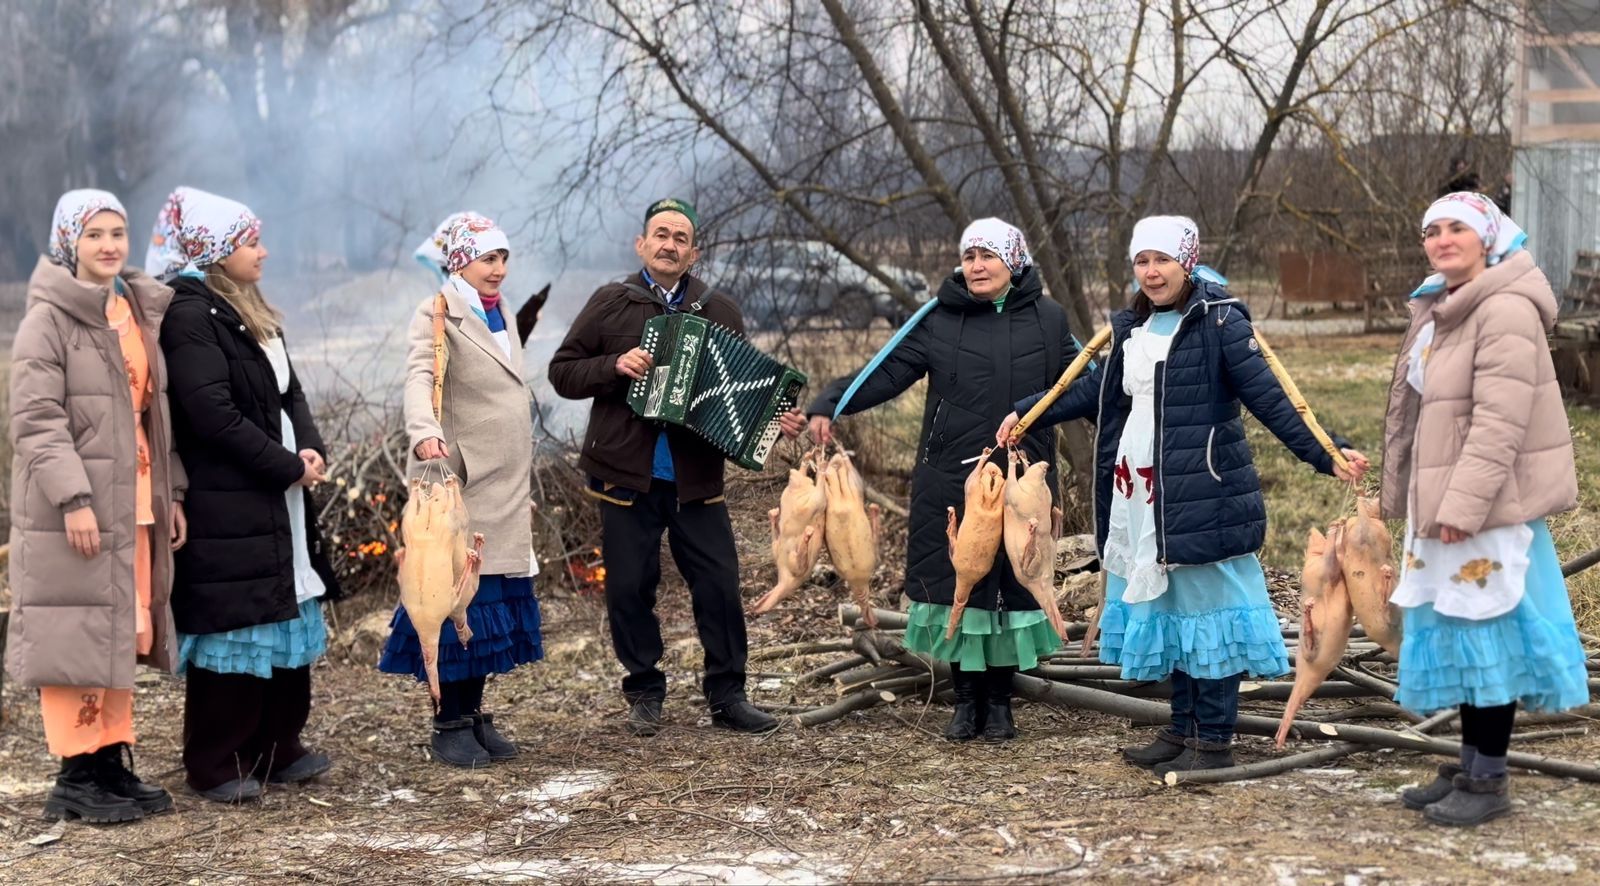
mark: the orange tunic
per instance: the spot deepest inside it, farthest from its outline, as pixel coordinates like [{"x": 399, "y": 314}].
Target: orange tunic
[{"x": 81, "y": 720}]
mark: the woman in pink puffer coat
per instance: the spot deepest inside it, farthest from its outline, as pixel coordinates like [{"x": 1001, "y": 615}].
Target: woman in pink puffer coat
[{"x": 1477, "y": 452}]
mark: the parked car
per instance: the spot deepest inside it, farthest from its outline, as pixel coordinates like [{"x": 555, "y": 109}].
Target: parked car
[{"x": 788, "y": 283}]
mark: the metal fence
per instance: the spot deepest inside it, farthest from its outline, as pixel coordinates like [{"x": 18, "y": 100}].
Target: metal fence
[{"x": 1556, "y": 199}]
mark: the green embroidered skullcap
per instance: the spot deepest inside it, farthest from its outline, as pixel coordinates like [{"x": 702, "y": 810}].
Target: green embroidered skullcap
[{"x": 673, "y": 204}]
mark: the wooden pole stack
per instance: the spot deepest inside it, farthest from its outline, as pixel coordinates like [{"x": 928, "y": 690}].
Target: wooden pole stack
[{"x": 868, "y": 668}]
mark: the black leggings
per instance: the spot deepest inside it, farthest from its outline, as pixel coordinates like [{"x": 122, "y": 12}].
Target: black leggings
[
  {"x": 1488, "y": 729},
  {"x": 458, "y": 699}
]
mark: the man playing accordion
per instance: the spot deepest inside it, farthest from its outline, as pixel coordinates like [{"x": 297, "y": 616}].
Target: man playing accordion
[{"x": 651, "y": 478}]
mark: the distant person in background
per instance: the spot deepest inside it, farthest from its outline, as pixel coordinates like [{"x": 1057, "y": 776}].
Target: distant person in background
[
  {"x": 1502, "y": 195},
  {"x": 96, "y": 510},
  {"x": 483, "y": 435},
  {"x": 249, "y": 584},
  {"x": 1462, "y": 178}
]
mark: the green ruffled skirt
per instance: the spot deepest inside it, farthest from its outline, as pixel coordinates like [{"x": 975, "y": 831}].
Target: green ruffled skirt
[{"x": 986, "y": 639}]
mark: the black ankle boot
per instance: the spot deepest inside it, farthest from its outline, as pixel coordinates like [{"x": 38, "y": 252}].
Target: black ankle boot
[
  {"x": 117, "y": 777},
  {"x": 998, "y": 724},
  {"x": 1198, "y": 754},
  {"x": 966, "y": 718},
  {"x": 490, "y": 738},
  {"x": 78, "y": 793},
  {"x": 454, "y": 744},
  {"x": 1166, "y": 747}
]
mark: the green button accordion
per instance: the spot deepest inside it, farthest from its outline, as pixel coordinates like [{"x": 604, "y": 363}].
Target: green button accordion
[{"x": 710, "y": 380}]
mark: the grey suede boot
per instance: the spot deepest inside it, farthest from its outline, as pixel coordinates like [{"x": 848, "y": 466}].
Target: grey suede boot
[
  {"x": 1473, "y": 802},
  {"x": 1421, "y": 796}
]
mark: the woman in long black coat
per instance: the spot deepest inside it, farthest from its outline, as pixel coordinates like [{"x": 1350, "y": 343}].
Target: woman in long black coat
[
  {"x": 991, "y": 338},
  {"x": 248, "y": 586}
]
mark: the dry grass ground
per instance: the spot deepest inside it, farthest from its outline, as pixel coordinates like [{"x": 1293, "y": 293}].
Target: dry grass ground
[{"x": 874, "y": 797}]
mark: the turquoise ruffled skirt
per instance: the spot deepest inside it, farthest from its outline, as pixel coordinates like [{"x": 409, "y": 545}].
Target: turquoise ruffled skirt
[
  {"x": 1214, "y": 621},
  {"x": 1531, "y": 654},
  {"x": 986, "y": 638},
  {"x": 258, "y": 649}
]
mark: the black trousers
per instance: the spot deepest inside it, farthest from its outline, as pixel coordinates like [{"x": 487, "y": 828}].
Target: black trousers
[
  {"x": 237, "y": 725},
  {"x": 701, "y": 540}
]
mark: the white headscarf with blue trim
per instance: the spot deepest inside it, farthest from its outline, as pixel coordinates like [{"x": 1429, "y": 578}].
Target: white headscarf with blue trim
[
  {"x": 1501, "y": 236},
  {"x": 195, "y": 229},
  {"x": 430, "y": 252}
]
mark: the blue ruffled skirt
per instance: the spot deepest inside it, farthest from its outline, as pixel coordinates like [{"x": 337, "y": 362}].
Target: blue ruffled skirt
[
  {"x": 504, "y": 617},
  {"x": 1531, "y": 654},
  {"x": 1214, "y": 621},
  {"x": 258, "y": 649}
]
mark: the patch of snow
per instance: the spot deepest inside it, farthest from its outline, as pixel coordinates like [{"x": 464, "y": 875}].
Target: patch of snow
[
  {"x": 562, "y": 787},
  {"x": 1517, "y": 861}
]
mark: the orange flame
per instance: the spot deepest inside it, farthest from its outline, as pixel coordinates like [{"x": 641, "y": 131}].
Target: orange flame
[{"x": 591, "y": 577}]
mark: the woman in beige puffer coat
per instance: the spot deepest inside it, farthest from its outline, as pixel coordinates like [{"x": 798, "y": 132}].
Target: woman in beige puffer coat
[
  {"x": 1477, "y": 452},
  {"x": 95, "y": 512}
]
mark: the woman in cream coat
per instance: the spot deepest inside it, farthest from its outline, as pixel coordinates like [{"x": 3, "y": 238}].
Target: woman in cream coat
[{"x": 483, "y": 435}]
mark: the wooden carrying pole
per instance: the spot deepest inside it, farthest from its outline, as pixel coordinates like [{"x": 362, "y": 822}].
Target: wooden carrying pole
[
  {"x": 1300, "y": 404},
  {"x": 1073, "y": 370},
  {"x": 439, "y": 357},
  {"x": 1104, "y": 335}
]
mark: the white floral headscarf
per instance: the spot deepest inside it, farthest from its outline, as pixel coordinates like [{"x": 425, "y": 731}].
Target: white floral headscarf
[
  {"x": 1001, "y": 239},
  {"x": 430, "y": 253},
  {"x": 468, "y": 237},
  {"x": 196, "y": 229},
  {"x": 1501, "y": 236},
  {"x": 73, "y": 211},
  {"x": 1174, "y": 235}
]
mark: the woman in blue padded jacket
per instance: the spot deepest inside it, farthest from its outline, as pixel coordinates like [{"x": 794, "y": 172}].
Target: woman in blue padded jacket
[{"x": 1178, "y": 509}]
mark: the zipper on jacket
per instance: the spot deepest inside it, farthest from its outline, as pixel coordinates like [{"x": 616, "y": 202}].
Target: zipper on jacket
[
  {"x": 1161, "y": 427},
  {"x": 934, "y": 431},
  {"x": 1161, "y": 485},
  {"x": 1210, "y": 466}
]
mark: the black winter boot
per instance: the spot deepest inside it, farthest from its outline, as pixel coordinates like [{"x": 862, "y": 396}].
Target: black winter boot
[
  {"x": 1472, "y": 802},
  {"x": 117, "y": 778},
  {"x": 1165, "y": 748},
  {"x": 454, "y": 744},
  {"x": 742, "y": 716},
  {"x": 490, "y": 738},
  {"x": 78, "y": 793},
  {"x": 1422, "y": 796},
  {"x": 1198, "y": 754},
  {"x": 966, "y": 717},
  {"x": 306, "y": 768},
  {"x": 997, "y": 722}
]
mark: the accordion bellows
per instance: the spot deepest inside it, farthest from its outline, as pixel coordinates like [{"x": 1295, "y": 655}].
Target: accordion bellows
[{"x": 709, "y": 379}]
